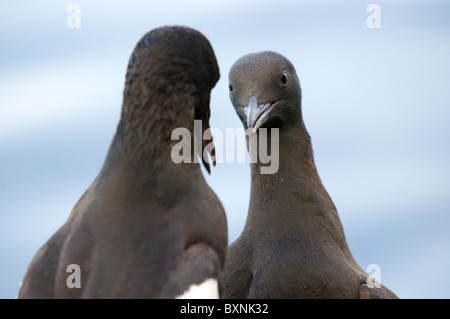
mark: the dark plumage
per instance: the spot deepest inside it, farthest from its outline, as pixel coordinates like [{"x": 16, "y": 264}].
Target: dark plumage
[
  {"x": 146, "y": 227},
  {"x": 293, "y": 243}
]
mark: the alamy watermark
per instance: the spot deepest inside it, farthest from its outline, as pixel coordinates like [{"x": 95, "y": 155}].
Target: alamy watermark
[
  {"x": 74, "y": 19},
  {"x": 74, "y": 279},
  {"x": 225, "y": 143},
  {"x": 374, "y": 19},
  {"x": 374, "y": 278}
]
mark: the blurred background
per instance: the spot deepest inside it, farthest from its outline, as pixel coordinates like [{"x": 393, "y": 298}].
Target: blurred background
[{"x": 375, "y": 102}]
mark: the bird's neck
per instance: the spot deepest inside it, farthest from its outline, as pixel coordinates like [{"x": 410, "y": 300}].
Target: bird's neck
[
  {"x": 142, "y": 148},
  {"x": 291, "y": 160},
  {"x": 292, "y": 200}
]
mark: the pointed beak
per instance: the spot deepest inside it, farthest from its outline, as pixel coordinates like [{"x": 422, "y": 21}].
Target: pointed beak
[
  {"x": 257, "y": 114},
  {"x": 252, "y": 110},
  {"x": 203, "y": 142},
  {"x": 208, "y": 143}
]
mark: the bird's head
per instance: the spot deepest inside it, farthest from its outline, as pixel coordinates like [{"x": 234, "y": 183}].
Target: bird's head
[
  {"x": 170, "y": 76},
  {"x": 265, "y": 90}
]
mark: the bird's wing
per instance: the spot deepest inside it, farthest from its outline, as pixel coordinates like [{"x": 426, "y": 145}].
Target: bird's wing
[
  {"x": 368, "y": 292},
  {"x": 196, "y": 276},
  {"x": 39, "y": 281}
]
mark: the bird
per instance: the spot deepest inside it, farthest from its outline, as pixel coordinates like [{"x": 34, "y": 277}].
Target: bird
[
  {"x": 148, "y": 226},
  {"x": 293, "y": 243}
]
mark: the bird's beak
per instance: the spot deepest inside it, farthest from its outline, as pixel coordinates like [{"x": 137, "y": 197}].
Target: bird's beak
[{"x": 257, "y": 114}]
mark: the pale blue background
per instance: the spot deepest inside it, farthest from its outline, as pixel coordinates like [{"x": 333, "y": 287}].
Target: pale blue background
[{"x": 375, "y": 101}]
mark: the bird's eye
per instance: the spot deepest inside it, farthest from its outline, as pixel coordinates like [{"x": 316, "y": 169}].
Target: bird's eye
[
  {"x": 230, "y": 87},
  {"x": 284, "y": 79}
]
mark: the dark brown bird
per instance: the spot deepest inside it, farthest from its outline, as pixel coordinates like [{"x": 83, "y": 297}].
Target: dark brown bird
[
  {"x": 293, "y": 243},
  {"x": 146, "y": 227}
]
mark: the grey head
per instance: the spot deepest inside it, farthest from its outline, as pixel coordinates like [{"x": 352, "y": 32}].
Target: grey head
[{"x": 265, "y": 90}]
